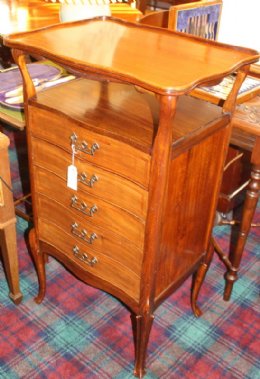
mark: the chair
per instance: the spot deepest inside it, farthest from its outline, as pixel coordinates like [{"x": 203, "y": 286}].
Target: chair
[
  {"x": 245, "y": 135},
  {"x": 201, "y": 19},
  {"x": 7, "y": 224}
]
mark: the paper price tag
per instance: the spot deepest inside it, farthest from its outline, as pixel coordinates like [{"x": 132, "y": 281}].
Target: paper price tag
[{"x": 72, "y": 177}]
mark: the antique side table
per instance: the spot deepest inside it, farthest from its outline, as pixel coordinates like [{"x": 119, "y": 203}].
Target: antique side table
[{"x": 126, "y": 169}]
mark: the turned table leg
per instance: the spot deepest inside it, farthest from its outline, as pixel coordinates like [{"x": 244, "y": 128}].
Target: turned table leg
[{"x": 252, "y": 196}]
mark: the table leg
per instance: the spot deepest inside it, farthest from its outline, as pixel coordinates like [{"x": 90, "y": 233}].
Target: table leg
[
  {"x": 8, "y": 242},
  {"x": 252, "y": 196},
  {"x": 10, "y": 260}
]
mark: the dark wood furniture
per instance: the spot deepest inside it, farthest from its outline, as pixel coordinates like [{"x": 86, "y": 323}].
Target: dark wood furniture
[
  {"x": 238, "y": 165},
  {"x": 149, "y": 159},
  {"x": 245, "y": 136},
  {"x": 7, "y": 224}
]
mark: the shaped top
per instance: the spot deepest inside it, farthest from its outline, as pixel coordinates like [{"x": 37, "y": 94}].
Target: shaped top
[{"x": 162, "y": 61}]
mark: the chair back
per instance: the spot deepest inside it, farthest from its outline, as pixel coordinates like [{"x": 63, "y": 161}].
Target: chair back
[{"x": 201, "y": 19}]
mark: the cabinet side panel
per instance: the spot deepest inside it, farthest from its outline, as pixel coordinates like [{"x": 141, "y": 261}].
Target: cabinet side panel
[{"x": 193, "y": 185}]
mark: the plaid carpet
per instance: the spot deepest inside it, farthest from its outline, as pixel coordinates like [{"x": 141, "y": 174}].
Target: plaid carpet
[{"x": 80, "y": 332}]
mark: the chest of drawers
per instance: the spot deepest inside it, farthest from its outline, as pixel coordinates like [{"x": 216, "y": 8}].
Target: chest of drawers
[{"x": 149, "y": 160}]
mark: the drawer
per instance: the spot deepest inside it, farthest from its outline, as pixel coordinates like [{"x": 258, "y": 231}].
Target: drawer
[
  {"x": 96, "y": 211},
  {"x": 91, "y": 236},
  {"x": 98, "y": 149},
  {"x": 98, "y": 264},
  {"x": 93, "y": 179}
]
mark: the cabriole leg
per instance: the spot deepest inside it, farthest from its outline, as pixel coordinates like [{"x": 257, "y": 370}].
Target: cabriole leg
[
  {"x": 141, "y": 329},
  {"x": 39, "y": 261},
  {"x": 198, "y": 280}
]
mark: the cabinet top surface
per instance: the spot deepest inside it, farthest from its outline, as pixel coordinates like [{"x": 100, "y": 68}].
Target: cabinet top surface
[{"x": 159, "y": 60}]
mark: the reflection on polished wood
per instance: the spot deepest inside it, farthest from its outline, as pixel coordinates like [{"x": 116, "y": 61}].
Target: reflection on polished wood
[
  {"x": 18, "y": 16},
  {"x": 139, "y": 44},
  {"x": 26, "y": 15}
]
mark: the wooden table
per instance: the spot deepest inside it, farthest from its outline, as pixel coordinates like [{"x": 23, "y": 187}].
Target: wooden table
[
  {"x": 7, "y": 224},
  {"x": 134, "y": 214},
  {"x": 20, "y": 16},
  {"x": 245, "y": 135}
]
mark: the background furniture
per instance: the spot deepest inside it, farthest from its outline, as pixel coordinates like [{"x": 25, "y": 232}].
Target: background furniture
[
  {"x": 143, "y": 5},
  {"x": 28, "y": 15},
  {"x": 142, "y": 239},
  {"x": 245, "y": 135},
  {"x": 236, "y": 176},
  {"x": 200, "y": 19},
  {"x": 7, "y": 224}
]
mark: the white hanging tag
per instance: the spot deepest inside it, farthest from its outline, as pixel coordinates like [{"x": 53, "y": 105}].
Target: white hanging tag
[
  {"x": 72, "y": 177},
  {"x": 72, "y": 173}
]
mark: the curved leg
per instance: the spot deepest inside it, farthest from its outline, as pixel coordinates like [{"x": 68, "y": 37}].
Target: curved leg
[
  {"x": 9, "y": 253},
  {"x": 39, "y": 261},
  {"x": 141, "y": 329},
  {"x": 252, "y": 196},
  {"x": 198, "y": 280}
]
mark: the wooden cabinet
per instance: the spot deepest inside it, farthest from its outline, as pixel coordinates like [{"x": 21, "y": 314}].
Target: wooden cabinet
[
  {"x": 149, "y": 160},
  {"x": 100, "y": 227}
]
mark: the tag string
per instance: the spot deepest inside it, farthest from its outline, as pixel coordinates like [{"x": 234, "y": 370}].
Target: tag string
[{"x": 73, "y": 153}]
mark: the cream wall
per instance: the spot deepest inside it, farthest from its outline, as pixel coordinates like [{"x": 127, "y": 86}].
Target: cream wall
[{"x": 240, "y": 23}]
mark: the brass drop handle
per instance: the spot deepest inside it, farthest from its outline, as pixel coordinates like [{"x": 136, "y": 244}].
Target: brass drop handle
[
  {"x": 83, "y": 257},
  {"x": 83, "y": 207},
  {"x": 83, "y": 178},
  {"x": 83, "y": 146},
  {"x": 83, "y": 234}
]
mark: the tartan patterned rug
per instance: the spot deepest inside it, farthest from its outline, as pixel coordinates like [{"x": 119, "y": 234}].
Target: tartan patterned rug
[{"x": 82, "y": 333}]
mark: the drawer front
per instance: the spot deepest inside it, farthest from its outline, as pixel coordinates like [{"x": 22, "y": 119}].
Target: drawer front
[
  {"x": 92, "y": 179},
  {"x": 94, "y": 210},
  {"x": 91, "y": 236},
  {"x": 94, "y": 148},
  {"x": 98, "y": 264}
]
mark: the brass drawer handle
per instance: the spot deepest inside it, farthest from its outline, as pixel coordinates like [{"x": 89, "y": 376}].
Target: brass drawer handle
[
  {"x": 83, "y": 207},
  {"x": 84, "y": 145},
  {"x": 83, "y": 257},
  {"x": 83, "y": 234},
  {"x": 82, "y": 178}
]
